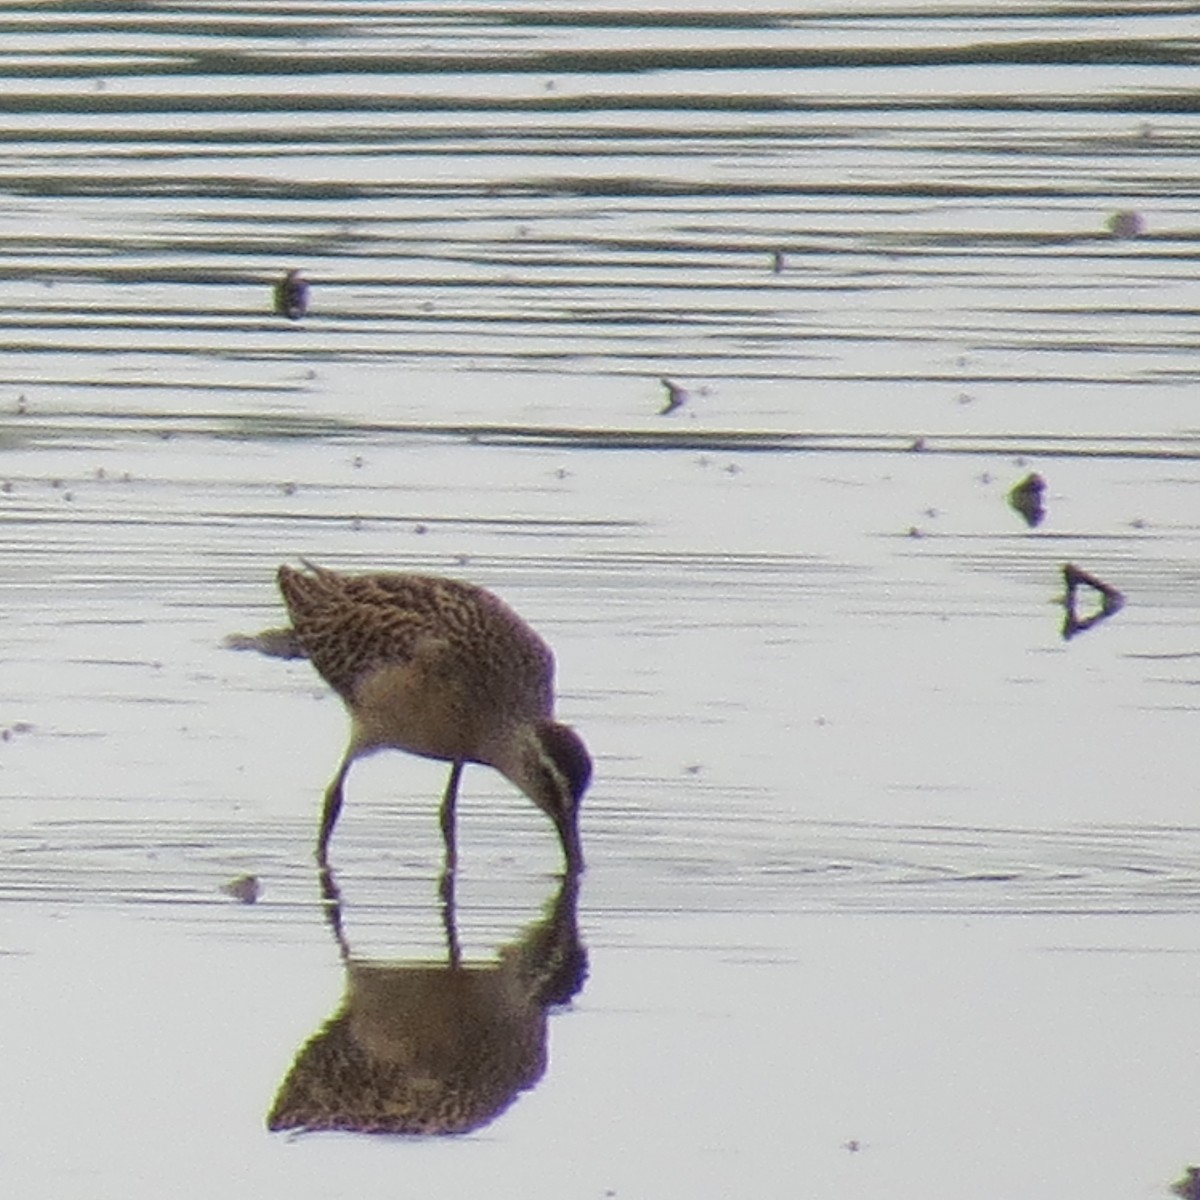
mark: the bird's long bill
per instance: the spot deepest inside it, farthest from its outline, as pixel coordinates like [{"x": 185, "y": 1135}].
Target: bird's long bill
[{"x": 568, "y": 832}]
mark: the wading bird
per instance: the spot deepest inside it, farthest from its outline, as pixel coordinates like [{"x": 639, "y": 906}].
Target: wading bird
[{"x": 446, "y": 670}]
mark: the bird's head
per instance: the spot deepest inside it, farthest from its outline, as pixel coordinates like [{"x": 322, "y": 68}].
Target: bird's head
[{"x": 553, "y": 768}]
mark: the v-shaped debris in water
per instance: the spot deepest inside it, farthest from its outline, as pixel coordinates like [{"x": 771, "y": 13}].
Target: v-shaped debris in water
[
  {"x": 1074, "y": 621},
  {"x": 677, "y": 396}
]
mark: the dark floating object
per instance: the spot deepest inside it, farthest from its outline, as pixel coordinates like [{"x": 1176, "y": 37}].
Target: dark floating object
[
  {"x": 1111, "y": 601},
  {"x": 778, "y": 262},
  {"x": 1189, "y": 1186},
  {"x": 677, "y": 396},
  {"x": 245, "y": 888},
  {"x": 1126, "y": 223},
  {"x": 433, "y": 1048},
  {"x": 1026, "y": 498},
  {"x": 291, "y": 296}
]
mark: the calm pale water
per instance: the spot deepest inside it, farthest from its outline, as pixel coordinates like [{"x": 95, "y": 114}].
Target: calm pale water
[{"x": 891, "y": 890}]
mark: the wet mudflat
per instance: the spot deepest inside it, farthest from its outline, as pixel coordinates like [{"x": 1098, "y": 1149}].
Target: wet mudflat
[{"x": 891, "y": 889}]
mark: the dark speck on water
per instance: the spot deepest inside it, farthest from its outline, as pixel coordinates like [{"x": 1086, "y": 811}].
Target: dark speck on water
[{"x": 1026, "y": 498}]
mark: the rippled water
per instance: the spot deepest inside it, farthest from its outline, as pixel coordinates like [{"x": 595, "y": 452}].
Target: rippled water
[{"x": 841, "y": 743}]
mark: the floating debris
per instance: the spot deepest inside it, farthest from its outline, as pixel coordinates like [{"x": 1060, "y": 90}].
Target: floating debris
[
  {"x": 10, "y": 731},
  {"x": 677, "y": 396},
  {"x": 1111, "y": 601},
  {"x": 245, "y": 888},
  {"x": 1026, "y": 498},
  {"x": 291, "y": 296},
  {"x": 274, "y": 643},
  {"x": 1126, "y": 223},
  {"x": 1189, "y": 1186},
  {"x": 778, "y": 262}
]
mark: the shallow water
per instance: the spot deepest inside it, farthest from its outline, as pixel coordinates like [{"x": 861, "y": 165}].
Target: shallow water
[{"x": 888, "y": 882}]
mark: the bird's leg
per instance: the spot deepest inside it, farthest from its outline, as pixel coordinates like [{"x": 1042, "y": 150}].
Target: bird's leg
[
  {"x": 447, "y": 815},
  {"x": 331, "y": 895},
  {"x": 333, "y": 806},
  {"x": 449, "y": 919},
  {"x": 446, "y": 886}
]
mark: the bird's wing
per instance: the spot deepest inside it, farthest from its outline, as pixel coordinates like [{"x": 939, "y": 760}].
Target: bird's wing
[{"x": 348, "y": 643}]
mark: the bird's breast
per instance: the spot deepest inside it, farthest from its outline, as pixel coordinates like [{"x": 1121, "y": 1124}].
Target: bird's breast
[{"x": 406, "y": 707}]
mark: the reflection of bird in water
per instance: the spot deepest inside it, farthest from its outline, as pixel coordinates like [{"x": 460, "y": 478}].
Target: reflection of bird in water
[
  {"x": 442, "y": 669},
  {"x": 291, "y": 296},
  {"x": 677, "y": 396},
  {"x": 429, "y": 1048}
]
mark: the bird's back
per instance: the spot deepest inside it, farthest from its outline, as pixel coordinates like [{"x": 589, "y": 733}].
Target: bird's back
[{"x": 352, "y": 625}]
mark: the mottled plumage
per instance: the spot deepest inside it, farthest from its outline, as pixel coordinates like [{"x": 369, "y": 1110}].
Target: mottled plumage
[{"x": 446, "y": 670}]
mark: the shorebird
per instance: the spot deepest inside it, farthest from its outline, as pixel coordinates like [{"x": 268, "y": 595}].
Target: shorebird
[
  {"x": 291, "y": 296},
  {"x": 445, "y": 670}
]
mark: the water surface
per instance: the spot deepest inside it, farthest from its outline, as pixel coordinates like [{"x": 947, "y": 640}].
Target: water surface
[{"x": 887, "y": 881}]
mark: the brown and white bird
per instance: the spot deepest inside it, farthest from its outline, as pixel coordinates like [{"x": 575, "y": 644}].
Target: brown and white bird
[
  {"x": 291, "y": 296},
  {"x": 446, "y": 670}
]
